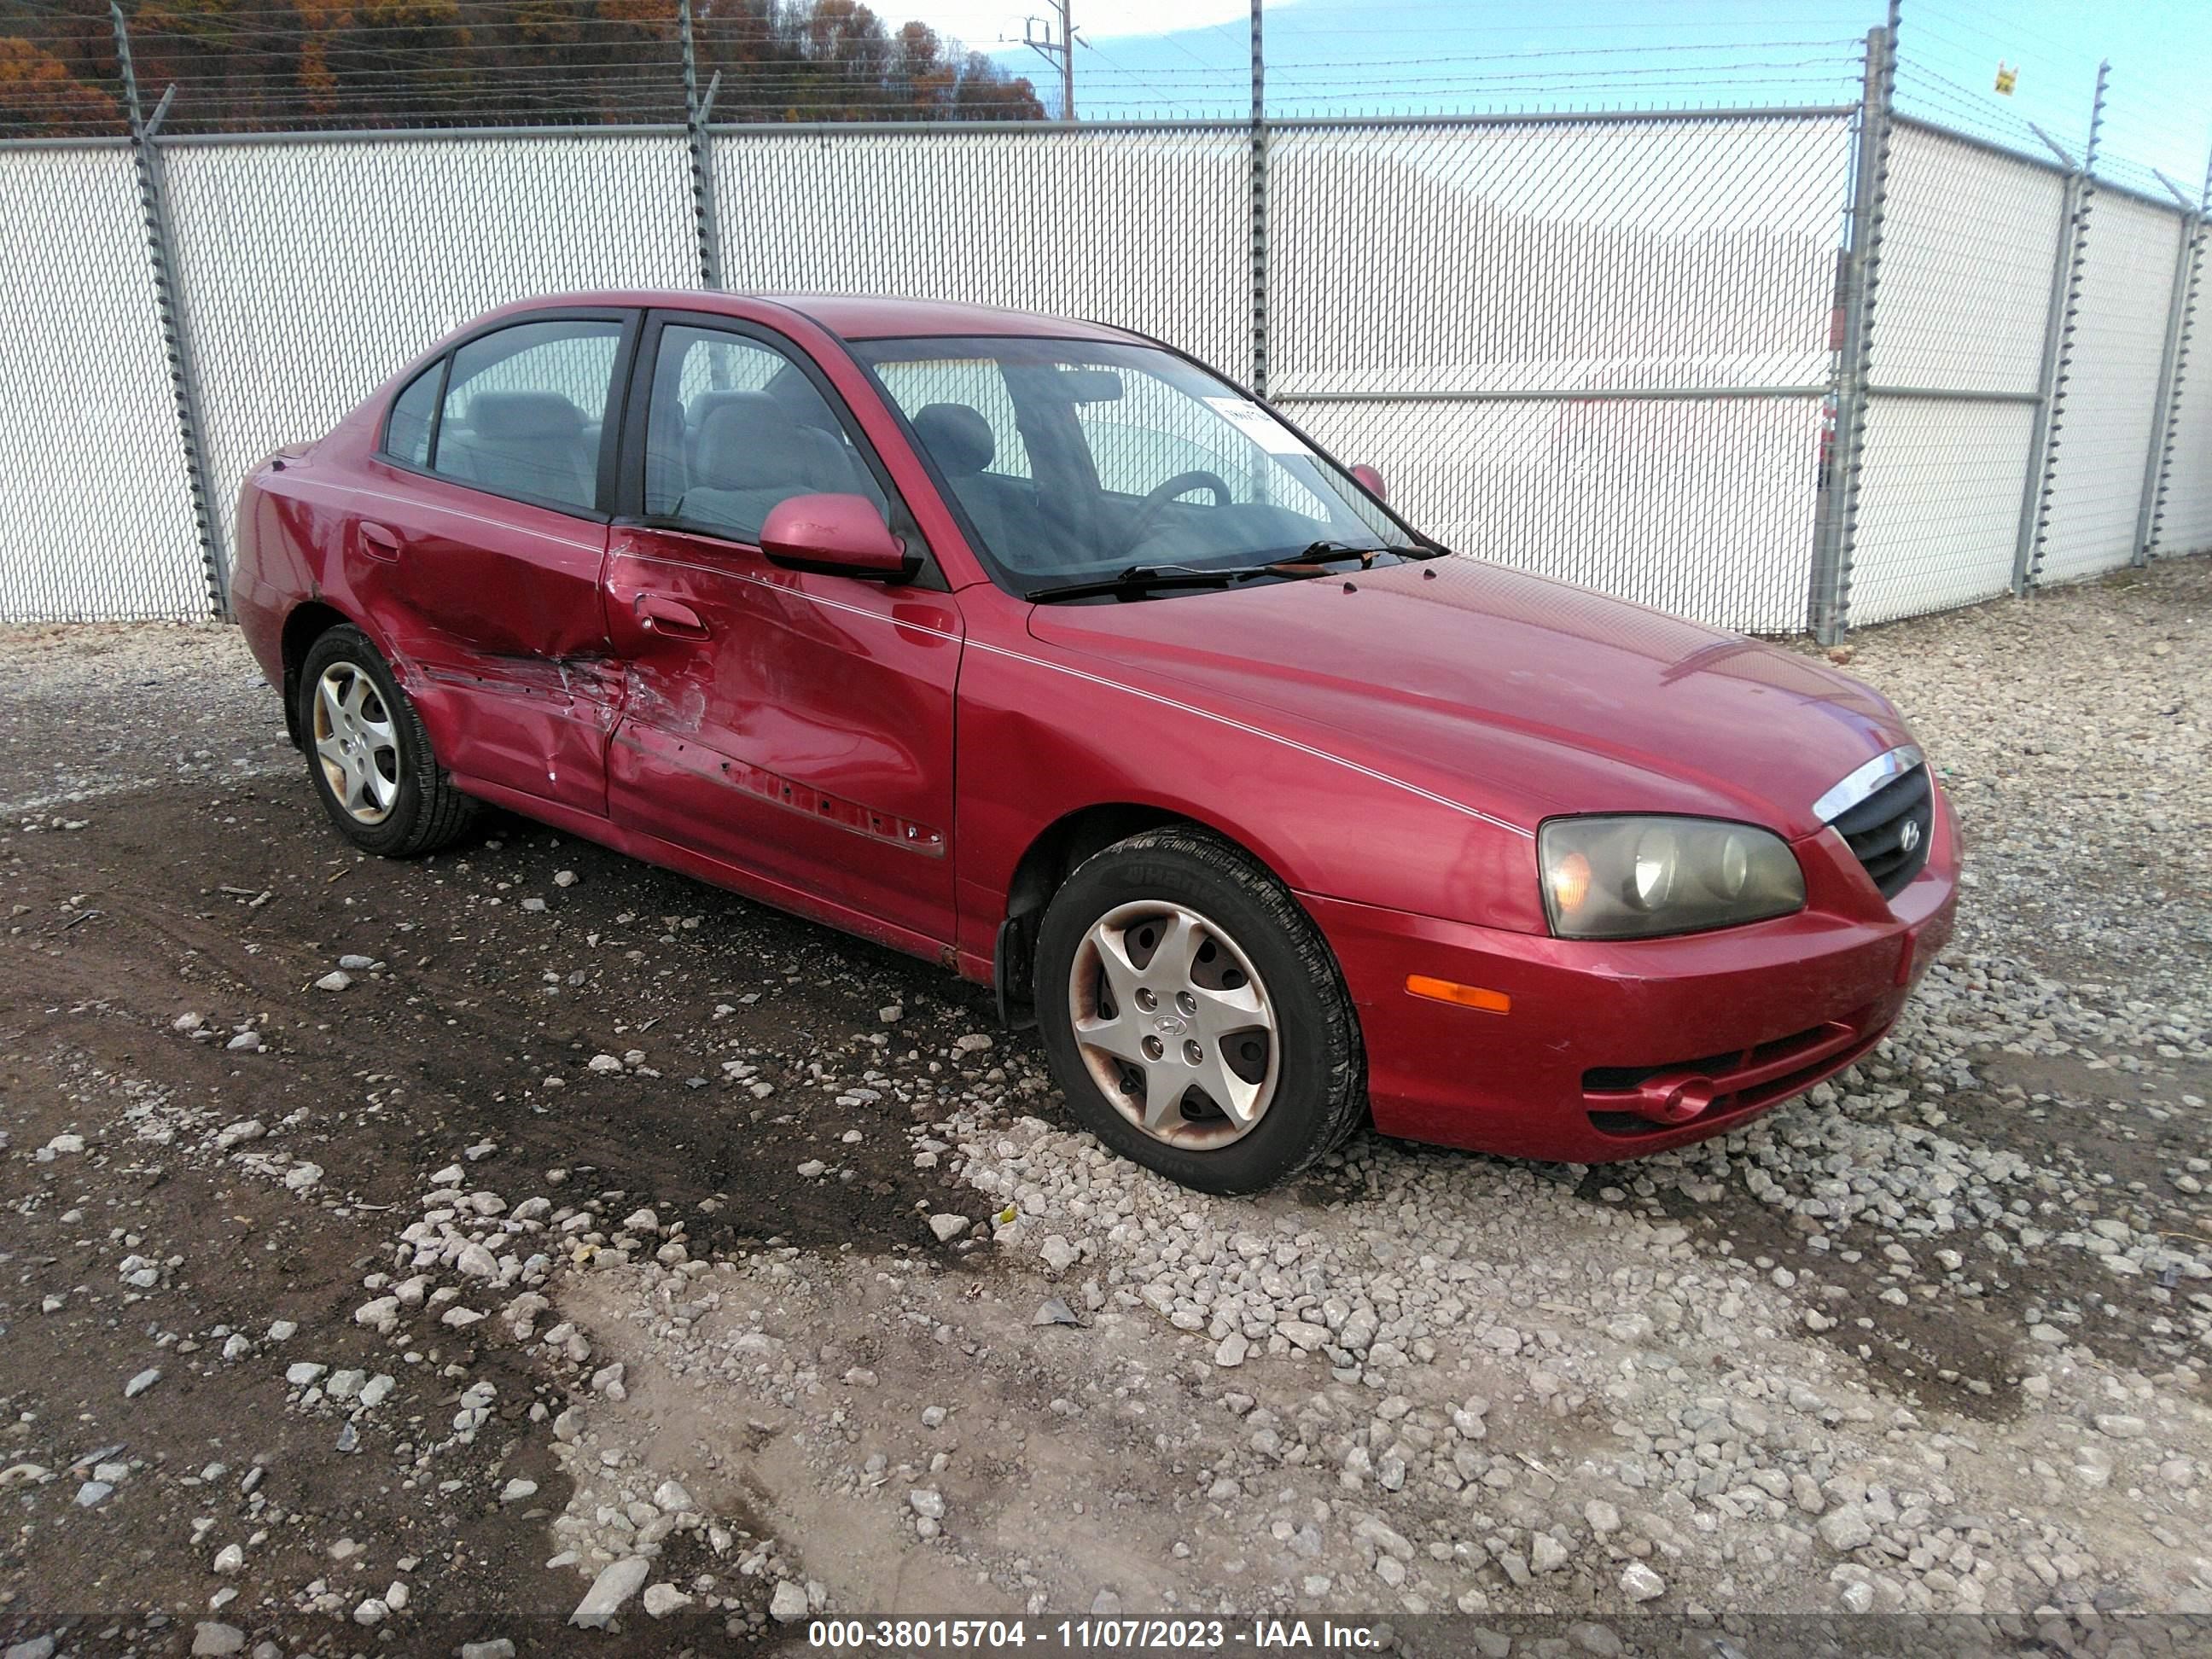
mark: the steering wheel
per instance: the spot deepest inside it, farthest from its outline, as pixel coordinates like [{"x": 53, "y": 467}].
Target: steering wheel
[{"x": 1160, "y": 495}]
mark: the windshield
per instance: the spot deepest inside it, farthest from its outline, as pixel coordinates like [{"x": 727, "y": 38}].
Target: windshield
[{"x": 1077, "y": 462}]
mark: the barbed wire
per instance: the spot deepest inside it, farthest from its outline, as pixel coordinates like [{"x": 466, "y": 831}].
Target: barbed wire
[{"x": 310, "y": 64}]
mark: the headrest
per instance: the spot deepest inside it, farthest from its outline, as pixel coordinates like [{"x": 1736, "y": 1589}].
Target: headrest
[
  {"x": 523, "y": 414},
  {"x": 748, "y": 442},
  {"x": 957, "y": 437},
  {"x": 708, "y": 401}
]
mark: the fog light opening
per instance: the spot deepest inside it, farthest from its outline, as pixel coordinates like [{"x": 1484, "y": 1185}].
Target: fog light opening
[{"x": 1677, "y": 1104}]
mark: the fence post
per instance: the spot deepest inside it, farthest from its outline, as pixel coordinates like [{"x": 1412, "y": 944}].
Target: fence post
[
  {"x": 2166, "y": 419},
  {"x": 1258, "y": 209},
  {"x": 700, "y": 142},
  {"x": 1836, "y": 532},
  {"x": 184, "y": 381},
  {"x": 2057, "y": 357}
]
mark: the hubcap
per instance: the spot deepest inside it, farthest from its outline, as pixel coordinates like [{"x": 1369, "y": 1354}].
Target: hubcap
[
  {"x": 1175, "y": 1026},
  {"x": 355, "y": 744}
]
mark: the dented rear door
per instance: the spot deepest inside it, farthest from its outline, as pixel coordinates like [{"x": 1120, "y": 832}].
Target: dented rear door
[
  {"x": 497, "y": 606},
  {"x": 483, "y": 562}
]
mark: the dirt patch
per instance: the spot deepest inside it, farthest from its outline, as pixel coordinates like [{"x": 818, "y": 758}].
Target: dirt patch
[{"x": 229, "y": 903}]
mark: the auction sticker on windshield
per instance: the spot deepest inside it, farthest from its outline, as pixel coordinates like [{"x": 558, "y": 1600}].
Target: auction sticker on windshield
[{"x": 1261, "y": 428}]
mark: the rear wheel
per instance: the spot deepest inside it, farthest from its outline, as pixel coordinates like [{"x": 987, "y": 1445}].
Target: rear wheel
[
  {"x": 1193, "y": 1014},
  {"x": 368, "y": 755}
]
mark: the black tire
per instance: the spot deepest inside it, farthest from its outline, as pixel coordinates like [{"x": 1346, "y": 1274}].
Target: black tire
[
  {"x": 1319, "y": 1069},
  {"x": 426, "y": 811}
]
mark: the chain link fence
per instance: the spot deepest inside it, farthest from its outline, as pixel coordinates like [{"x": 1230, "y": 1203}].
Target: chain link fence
[
  {"x": 1609, "y": 348},
  {"x": 1592, "y": 347},
  {"x": 95, "y": 512}
]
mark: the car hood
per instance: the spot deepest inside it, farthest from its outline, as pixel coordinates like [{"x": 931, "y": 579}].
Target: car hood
[{"x": 1512, "y": 693}]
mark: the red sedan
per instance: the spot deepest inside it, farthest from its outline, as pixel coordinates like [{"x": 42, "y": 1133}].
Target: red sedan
[{"x": 1037, "y": 648}]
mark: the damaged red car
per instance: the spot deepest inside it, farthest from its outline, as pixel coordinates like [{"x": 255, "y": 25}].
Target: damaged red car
[{"x": 1038, "y": 649}]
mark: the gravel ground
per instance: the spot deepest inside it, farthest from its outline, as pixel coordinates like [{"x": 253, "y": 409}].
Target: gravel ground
[{"x": 653, "y": 1261}]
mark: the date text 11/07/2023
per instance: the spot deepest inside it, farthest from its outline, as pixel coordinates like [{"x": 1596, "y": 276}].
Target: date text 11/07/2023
[{"x": 1047, "y": 1636}]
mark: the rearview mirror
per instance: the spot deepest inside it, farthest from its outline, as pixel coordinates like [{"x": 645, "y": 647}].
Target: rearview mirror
[
  {"x": 1371, "y": 481},
  {"x": 1091, "y": 386},
  {"x": 836, "y": 536}
]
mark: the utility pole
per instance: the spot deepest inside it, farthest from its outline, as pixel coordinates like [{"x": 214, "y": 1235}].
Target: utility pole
[
  {"x": 1258, "y": 208},
  {"x": 1038, "y": 36}
]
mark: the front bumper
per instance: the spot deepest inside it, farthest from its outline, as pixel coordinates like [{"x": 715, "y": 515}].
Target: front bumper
[{"x": 1603, "y": 1038}]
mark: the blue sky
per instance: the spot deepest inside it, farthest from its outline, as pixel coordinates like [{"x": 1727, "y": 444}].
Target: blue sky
[{"x": 1157, "y": 57}]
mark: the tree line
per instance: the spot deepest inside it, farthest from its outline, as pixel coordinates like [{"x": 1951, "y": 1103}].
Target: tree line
[{"x": 244, "y": 66}]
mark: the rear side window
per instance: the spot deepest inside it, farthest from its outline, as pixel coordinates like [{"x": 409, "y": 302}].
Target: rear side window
[
  {"x": 524, "y": 411},
  {"x": 407, "y": 431}
]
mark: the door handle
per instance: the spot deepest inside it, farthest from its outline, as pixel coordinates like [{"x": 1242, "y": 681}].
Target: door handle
[
  {"x": 671, "y": 618},
  {"x": 378, "y": 542}
]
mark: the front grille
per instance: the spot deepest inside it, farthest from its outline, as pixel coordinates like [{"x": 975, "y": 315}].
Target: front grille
[{"x": 1877, "y": 829}]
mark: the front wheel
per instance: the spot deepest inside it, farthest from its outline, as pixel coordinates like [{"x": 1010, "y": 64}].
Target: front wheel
[
  {"x": 368, "y": 755},
  {"x": 1193, "y": 1014}
]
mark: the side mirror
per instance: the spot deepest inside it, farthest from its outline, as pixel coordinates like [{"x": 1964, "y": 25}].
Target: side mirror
[
  {"x": 1371, "y": 482},
  {"x": 836, "y": 536}
]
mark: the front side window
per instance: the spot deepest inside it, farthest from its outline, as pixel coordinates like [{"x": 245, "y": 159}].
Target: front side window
[
  {"x": 525, "y": 411},
  {"x": 736, "y": 427},
  {"x": 1075, "y": 461}
]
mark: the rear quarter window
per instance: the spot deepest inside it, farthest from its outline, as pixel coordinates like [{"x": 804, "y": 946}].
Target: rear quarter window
[{"x": 407, "y": 430}]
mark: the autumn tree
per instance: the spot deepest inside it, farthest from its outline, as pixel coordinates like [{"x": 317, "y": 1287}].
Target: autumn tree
[
  {"x": 249, "y": 64},
  {"x": 40, "y": 95}
]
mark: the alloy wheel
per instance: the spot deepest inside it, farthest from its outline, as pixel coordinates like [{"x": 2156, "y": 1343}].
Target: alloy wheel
[{"x": 356, "y": 742}]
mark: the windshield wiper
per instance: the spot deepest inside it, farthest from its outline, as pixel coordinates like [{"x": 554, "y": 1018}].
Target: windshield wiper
[
  {"x": 1318, "y": 550},
  {"x": 1138, "y": 578}
]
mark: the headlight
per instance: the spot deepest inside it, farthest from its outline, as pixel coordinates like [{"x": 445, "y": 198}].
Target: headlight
[{"x": 1635, "y": 878}]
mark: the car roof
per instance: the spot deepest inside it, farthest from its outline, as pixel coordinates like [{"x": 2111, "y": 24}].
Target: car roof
[{"x": 848, "y": 316}]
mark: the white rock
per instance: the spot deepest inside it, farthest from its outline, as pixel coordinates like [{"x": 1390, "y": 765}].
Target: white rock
[
  {"x": 671, "y": 1498},
  {"x": 661, "y": 1599},
  {"x": 618, "y": 1581},
  {"x": 1846, "y": 1529},
  {"x": 947, "y": 1226},
  {"x": 789, "y": 1603},
  {"x": 1641, "y": 1583},
  {"x": 338, "y": 979}
]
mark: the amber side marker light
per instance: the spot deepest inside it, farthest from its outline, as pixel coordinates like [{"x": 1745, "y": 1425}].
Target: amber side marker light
[{"x": 1466, "y": 996}]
